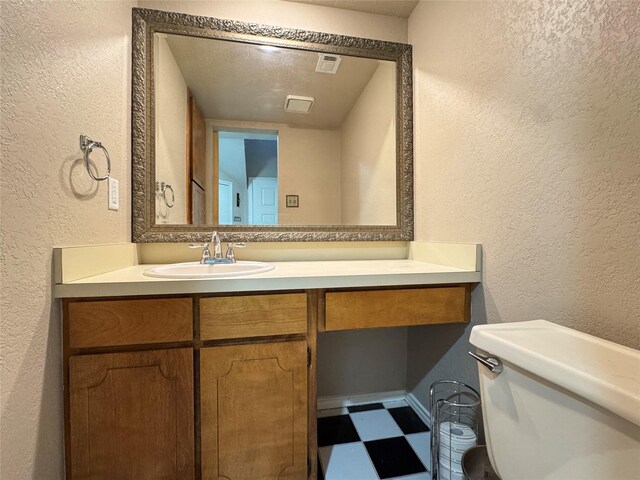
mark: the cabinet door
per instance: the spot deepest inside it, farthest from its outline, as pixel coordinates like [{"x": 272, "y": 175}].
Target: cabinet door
[
  {"x": 254, "y": 411},
  {"x": 131, "y": 415}
]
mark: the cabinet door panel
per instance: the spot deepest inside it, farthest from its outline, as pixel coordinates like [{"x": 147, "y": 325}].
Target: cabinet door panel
[
  {"x": 254, "y": 411},
  {"x": 131, "y": 415}
]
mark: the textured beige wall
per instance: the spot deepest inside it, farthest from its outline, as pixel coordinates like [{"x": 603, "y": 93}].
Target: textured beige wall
[
  {"x": 527, "y": 141},
  {"x": 362, "y": 361},
  {"x": 65, "y": 71},
  {"x": 292, "y": 15},
  {"x": 368, "y": 149}
]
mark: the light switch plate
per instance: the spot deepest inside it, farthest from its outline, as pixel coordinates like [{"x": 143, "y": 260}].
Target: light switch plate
[{"x": 114, "y": 194}]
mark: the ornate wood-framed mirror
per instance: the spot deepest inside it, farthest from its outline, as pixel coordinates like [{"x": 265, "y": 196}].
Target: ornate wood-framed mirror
[{"x": 268, "y": 134}]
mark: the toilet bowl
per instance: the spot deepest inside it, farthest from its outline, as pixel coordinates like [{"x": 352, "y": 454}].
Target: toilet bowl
[{"x": 563, "y": 406}]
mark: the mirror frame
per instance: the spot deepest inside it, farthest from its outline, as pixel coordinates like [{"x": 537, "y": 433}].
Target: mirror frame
[{"x": 146, "y": 22}]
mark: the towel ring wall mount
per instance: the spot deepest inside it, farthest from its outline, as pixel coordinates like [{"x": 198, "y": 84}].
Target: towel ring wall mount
[{"x": 87, "y": 145}]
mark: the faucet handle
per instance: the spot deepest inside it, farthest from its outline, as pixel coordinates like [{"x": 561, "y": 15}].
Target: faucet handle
[
  {"x": 206, "y": 254},
  {"x": 230, "y": 253}
]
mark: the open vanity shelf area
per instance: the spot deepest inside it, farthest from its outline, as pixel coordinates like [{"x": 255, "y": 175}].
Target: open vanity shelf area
[{"x": 174, "y": 378}]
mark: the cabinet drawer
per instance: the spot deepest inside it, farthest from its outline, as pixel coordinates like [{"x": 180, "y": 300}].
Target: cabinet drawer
[
  {"x": 130, "y": 322},
  {"x": 253, "y": 316},
  {"x": 395, "y": 308}
]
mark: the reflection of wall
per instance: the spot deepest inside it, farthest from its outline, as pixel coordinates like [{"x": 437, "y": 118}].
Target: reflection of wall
[
  {"x": 368, "y": 153},
  {"x": 171, "y": 140},
  {"x": 308, "y": 166},
  {"x": 527, "y": 142}
]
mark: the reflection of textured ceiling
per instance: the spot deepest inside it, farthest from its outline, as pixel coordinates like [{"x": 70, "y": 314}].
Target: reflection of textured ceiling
[
  {"x": 238, "y": 81},
  {"x": 394, "y": 8}
]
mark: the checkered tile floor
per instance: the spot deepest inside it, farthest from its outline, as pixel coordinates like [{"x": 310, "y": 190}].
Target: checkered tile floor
[{"x": 372, "y": 442}]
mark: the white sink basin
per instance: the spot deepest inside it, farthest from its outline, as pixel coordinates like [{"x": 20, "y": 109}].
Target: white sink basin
[{"x": 197, "y": 270}]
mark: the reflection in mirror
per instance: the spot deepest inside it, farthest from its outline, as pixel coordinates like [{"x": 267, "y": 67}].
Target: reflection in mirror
[
  {"x": 239, "y": 128},
  {"x": 248, "y": 178}
]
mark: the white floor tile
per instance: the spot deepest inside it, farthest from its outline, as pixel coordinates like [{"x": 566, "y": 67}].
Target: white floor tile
[
  {"x": 332, "y": 412},
  {"x": 396, "y": 404},
  {"x": 421, "y": 444},
  {"x": 347, "y": 461},
  {"x": 375, "y": 424},
  {"x": 415, "y": 476}
]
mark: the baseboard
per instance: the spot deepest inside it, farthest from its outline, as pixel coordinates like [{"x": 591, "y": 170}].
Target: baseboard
[
  {"x": 419, "y": 408},
  {"x": 338, "y": 401}
]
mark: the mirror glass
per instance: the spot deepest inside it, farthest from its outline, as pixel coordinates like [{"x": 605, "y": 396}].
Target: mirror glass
[
  {"x": 267, "y": 133},
  {"x": 250, "y": 134}
]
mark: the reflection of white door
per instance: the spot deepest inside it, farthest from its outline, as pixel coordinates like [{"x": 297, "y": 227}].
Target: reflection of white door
[
  {"x": 225, "y": 202},
  {"x": 263, "y": 201}
]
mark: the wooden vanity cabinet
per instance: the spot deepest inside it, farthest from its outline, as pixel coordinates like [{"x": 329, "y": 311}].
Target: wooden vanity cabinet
[{"x": 219, "y": 386}]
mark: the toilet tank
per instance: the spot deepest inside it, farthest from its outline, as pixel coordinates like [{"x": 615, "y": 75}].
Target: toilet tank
[{"x": 566, "y": 405}]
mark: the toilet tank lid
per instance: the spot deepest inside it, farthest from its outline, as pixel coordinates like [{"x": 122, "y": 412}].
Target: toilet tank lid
[{"x": 600, "y": 371}]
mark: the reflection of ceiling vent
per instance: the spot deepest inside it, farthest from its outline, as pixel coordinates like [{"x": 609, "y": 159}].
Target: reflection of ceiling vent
[
  {"x": 328, "y": 63},
  {"x": 298, "y": 104}
]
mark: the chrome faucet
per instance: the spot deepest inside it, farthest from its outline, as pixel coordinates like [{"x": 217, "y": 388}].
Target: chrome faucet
[
  {"x": 217, "y": 249},
  {"x": 206, "y": 253}
]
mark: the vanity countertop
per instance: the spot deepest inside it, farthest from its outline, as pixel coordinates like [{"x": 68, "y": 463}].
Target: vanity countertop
[{"x": 295, "y": 275}]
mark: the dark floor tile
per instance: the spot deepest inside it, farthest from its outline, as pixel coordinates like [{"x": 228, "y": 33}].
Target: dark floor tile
[
  {"x": 394, "y": 457},
  {"x": 336, "y": 430},
  {"x": 408, "y": 420},
  {"x": 365, "y": 408}
]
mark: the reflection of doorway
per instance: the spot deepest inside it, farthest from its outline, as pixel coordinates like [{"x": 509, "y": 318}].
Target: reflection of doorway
[
  {"x": 225, "y": 202},
  {"x": 244, "y": 155},
  {"x": 263, "y": 201}
]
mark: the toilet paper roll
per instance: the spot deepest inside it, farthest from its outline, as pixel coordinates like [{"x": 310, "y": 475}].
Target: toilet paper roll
[
  {"x": 444, "y": 473},
  {"x": 457, "y": 436},
  {"x": 452, "y": 454}
]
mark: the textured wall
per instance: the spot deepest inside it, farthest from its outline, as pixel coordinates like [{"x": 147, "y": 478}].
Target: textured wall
[
  {"x": 527, "y": 141},
  {"x": 362, "y": 361},
  {"x": 65, "y": 71},
  {"x": 292, "y": 15}
]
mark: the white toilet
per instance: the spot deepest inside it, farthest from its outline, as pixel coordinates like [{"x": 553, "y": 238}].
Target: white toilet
[{"x": 559, "y": 404}]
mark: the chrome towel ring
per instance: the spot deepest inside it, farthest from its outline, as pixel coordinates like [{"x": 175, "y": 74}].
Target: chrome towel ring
[{"x": 87, "y": 145}]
